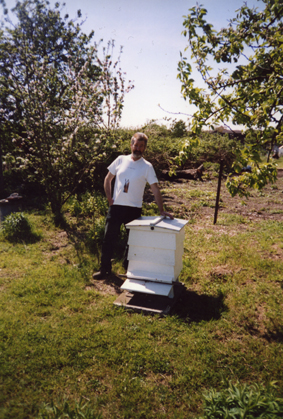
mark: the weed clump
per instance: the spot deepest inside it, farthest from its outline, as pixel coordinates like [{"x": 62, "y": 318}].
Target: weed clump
[
  {"x": 242, "y": 401},
  {"x": 65, "y": 410}
]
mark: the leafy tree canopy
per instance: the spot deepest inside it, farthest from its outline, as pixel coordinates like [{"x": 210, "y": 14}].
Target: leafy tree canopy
[
  {"x": 59, "y": 100},
  {"x": 247, "y": 90}
]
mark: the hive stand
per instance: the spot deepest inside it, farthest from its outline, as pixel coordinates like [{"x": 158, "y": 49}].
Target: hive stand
[{"x": 155, "y": 262}]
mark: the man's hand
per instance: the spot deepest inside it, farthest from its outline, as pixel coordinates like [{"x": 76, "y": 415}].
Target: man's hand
[{"x": 167, "y": 214}]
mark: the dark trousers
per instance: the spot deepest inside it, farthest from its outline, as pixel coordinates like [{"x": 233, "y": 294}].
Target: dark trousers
[{"x": 117, "y": 215}]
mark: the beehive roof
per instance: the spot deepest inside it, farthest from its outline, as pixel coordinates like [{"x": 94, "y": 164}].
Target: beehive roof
[{"x": 158, "y": 222}]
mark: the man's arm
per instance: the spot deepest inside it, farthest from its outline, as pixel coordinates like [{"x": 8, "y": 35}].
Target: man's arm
[
  {"x": 158, "y": 199},
  {"x": 107, "y": 187}
]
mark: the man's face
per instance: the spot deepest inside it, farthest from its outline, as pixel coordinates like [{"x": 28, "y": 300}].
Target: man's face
[{"x": 138, "y": 148}]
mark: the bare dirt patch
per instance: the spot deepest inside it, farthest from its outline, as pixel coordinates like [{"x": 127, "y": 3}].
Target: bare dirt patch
[
  {"x": 266, "y": 204},
  {"x": 109, "y": 286}
]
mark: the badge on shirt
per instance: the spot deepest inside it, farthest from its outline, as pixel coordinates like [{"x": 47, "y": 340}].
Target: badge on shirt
[{"x": 126, "y": 185}]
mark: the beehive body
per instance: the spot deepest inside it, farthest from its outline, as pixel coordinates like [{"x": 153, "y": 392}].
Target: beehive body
[{"x": 155, "y": 254}]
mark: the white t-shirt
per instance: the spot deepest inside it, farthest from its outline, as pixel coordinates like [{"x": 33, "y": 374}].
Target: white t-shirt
[{"x": 130, "y": 181}]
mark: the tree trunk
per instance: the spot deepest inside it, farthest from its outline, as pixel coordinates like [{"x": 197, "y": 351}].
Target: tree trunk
[
  {"x": 56, "y": 208},
  {"x": 1, "y": 173}
]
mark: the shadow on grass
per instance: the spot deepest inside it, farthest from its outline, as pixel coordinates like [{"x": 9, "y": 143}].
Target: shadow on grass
[
  {"x": 30, "y": 238},
  {"x": 187, "y": 305},
  {"x": 274, "y": 336},
  {"x": 193, "y": 307}
]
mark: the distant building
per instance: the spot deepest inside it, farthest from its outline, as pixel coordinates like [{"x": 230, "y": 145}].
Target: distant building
[{"x": 232, "y": 133}]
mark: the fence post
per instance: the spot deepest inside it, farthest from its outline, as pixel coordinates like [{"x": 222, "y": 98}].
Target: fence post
[{"x": 218, "y": 191}]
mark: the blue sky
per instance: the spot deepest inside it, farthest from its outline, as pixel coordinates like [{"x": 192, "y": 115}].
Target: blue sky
[{"x": 150, "y": 33}]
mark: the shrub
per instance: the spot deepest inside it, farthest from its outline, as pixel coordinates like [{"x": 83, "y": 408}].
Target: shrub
[
  {"x": 95, "y": 235},
  {"x": 149, "y": 209},
  {"x": 243, "y": 401},
  {"x": 17, "y": 228},
  {"x": 88, "y": 205}
]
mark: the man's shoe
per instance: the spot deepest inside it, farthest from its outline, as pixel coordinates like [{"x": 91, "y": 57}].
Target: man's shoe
[{"x": 100, "y": 275}]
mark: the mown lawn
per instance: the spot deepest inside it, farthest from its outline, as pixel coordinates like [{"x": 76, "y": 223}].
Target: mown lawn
[{"x": 62, "y": 340}]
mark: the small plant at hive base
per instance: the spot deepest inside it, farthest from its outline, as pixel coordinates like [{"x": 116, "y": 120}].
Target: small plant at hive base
[
  {"x": 243, "y": 401},
  {"x": 17, "y": 228}
]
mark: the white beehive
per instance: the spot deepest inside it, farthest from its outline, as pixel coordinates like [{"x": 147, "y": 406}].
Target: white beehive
[{"x": 155, "y": 254}]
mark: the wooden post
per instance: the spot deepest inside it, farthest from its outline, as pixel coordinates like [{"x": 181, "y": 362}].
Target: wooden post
[{"x": 218, "y": 191}]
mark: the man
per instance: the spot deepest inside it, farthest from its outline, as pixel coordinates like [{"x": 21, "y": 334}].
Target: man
[{"x": 132, "y": 172}]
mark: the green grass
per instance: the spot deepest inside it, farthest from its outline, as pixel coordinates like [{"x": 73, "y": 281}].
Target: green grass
[
  {"x": 67, "y": 349},
  {"x": 184, "y": 192},
  {"x": 193, "y": 199}
]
